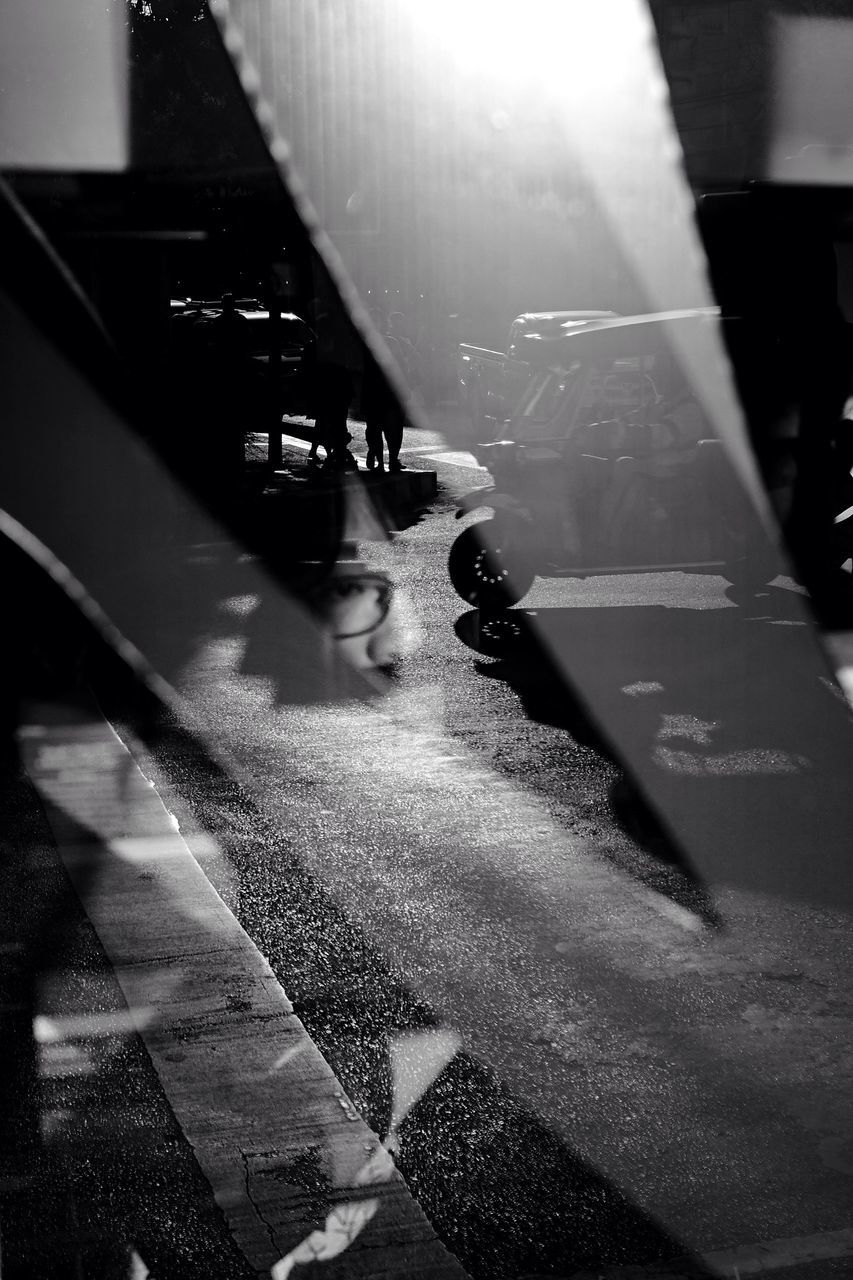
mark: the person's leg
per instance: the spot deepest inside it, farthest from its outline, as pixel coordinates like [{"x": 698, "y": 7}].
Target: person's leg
[
  {"x": 337, "y": 437},
  {"x": 393, "y": 429},
  {"x": 372, "y": 403},
  {"x": 323, "y": 397},
  {"x": 373, "y": 439}
]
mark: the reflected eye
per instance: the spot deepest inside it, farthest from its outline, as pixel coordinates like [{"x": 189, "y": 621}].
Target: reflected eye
[{"x": 355, "y": 605}]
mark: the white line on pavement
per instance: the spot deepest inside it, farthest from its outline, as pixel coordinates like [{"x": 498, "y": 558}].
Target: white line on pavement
[{"x": 455, "y": 459}]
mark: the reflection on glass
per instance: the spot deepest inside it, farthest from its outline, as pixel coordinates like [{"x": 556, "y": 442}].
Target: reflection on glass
[
  {"x": 609, "y": 463},
  {"x": 449, "y": 174},
  {"x": 417, "y": 1059}
]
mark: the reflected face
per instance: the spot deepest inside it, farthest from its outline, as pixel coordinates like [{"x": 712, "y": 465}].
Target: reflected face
[{"x": 354, "y": 604}]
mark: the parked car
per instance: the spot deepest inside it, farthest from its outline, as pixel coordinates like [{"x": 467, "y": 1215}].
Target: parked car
[
  {"x": 491, "y": 382},
  {"x": 194, "y": 338},
  {"x": 609, "y": 465}
]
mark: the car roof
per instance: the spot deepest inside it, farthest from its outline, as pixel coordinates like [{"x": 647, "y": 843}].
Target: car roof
[
  {"x": 265, "y": 315},
  {"x": 557, "y": 317},
  {"x": 573, "y": 328},
  {"x": 212, "y": 310}
]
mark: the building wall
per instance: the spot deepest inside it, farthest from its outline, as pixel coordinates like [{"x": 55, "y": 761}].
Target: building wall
[{"x": 715, "y": 54}]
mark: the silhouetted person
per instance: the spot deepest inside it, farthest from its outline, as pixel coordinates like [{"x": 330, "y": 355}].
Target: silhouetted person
[
  {"x": 333, "y": 392},
  {"x": 229, "y": 330},
  {"x": 339, "y": 362},
  {"x": 384, "y": 419},
  {"x": 226, "y": 393}
]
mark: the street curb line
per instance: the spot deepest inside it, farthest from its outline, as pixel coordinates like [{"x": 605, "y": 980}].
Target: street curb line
[
  {"x": 270, "y": 1125},
  {"x": 778, "y": 1255},
  {"x": 770, "y": 1257}
]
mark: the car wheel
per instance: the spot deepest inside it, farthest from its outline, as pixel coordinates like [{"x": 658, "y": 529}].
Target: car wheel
[
  {"x": 483, "y": 572},
  {"x": 749, "y": 575}
]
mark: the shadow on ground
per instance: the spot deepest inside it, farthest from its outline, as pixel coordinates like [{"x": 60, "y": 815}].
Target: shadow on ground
[
  {"x": 96, "y": 1177},
  {"x": 727, "y": 723},
  {"x": 504, "y": 1193}
]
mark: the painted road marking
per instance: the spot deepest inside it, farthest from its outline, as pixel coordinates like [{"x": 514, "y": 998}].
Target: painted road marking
[{"x": 457, "y": 459}]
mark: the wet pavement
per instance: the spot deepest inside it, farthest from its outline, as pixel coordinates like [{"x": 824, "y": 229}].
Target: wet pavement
[
  {"x": 632, "y": 1082},
  {"x": 98, "y": 1178},
  {"x": 274, "y": 1165},
  {"x": 580, "y": 1059}
]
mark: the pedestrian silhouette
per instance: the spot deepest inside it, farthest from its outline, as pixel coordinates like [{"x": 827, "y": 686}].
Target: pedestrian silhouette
[
  {"x": 384, "y": 419},
  {"x": 339, "y": 362}
]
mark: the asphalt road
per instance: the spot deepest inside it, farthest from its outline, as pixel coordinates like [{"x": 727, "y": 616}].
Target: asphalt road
[{"x": 643, "y": 1067}]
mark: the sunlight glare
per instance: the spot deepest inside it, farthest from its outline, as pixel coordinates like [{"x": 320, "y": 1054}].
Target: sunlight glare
[{"x": 565, "y": 45}]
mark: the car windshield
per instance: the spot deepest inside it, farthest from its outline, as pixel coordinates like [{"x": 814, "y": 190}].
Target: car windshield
[{"x": 618, "y": 373}]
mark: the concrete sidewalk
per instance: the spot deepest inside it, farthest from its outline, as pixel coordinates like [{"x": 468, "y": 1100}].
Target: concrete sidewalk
[
  {"x": 286, "y": 1156},
  {"x": 394, "y": 496},
  {"x": 296, "y": 1172}
]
